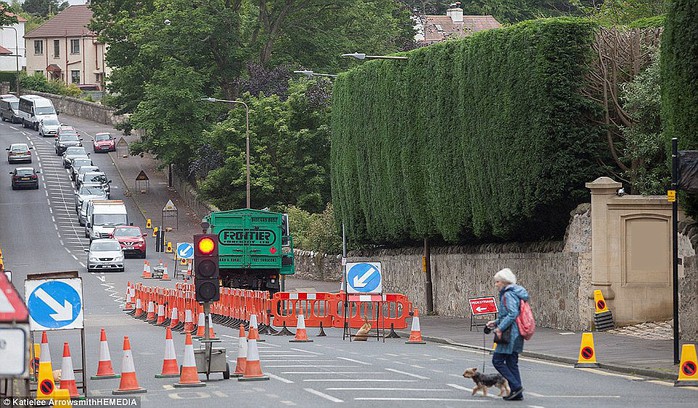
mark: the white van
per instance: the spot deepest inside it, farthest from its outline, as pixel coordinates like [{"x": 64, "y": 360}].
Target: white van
[
  {"x": 33, "y": 108},
  {"x": 102, "y": 216}
]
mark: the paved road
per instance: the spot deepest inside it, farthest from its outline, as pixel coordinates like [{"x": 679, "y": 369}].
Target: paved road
[{"x": 39, "y": 232}]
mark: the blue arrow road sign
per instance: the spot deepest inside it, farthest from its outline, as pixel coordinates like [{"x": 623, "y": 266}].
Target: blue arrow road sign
[
  {"x": 364, "y": 277},
  {"x": 185, "y": 250},
  {"x": 54, "y": 304}
]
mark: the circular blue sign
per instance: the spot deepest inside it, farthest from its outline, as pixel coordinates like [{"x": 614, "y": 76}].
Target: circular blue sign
[
  {"x": 54, "y": 304},
  {"x": 185, "y": 250},
  {"x": 364, "y": 277}
]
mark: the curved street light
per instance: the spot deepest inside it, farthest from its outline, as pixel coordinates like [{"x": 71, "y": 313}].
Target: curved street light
[
  {"x": 311, "y": 74},
  {"x": 247, "y": 136},
  {"x": 362, "y": 56}
]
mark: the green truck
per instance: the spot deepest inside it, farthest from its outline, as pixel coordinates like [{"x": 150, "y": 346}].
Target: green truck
[{"x": 255, "y": 248}]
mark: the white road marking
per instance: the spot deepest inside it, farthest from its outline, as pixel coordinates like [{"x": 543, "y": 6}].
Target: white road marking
[
  {"x": 388, "y": 389},
  {"x": 323, "y": 395},
  {"x": 309, "y": 366},
  {"x": 306, "y": 351},
  {"x": 356, "y": 380},
  {"x": 408, "y": 374},
  {"x": 353, "y": 361},
  {"x": 418, "y": 399},
  {"x": 596, "y": 371},
  {"x": 331, "y": 372},
  {"x": 276, "y": 377}
]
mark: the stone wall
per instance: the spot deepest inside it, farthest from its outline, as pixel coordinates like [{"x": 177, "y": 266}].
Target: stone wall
[{"x": 83, "y": 109}]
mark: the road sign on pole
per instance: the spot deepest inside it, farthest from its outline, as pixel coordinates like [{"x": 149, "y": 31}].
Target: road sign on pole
[
  {"x": 185, "y": 250},
  {"x": 54, "y": 304},
  {"x": 364, "y": 277}
]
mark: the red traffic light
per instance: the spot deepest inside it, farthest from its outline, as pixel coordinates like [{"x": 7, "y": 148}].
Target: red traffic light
[{"x": 206, "y": 246}]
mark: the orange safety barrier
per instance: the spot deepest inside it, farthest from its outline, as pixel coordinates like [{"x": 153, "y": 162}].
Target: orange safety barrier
[{"x": 315, "y": 307}]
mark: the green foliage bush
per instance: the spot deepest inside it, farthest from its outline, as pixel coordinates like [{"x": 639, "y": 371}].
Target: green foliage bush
[
  {"x": 485, "y": 138},
  {"x": 38, "y": 82},
  {"x": 679, "y": 70},
  {"x": 314, "y": 232}
]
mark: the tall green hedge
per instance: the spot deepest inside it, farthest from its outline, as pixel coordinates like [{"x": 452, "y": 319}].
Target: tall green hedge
[
  {"x": 679, "y": 72},
  {"x": 485, "y": 138}
]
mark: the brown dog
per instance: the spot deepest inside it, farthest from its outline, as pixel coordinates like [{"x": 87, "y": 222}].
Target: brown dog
[{"x": 484, "y": 381}]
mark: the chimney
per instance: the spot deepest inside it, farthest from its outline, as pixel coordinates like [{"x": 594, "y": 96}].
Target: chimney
[{"x": 456, "y": 14}]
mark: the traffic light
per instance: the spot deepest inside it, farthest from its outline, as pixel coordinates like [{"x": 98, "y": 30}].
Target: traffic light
[{"x": 206, "y": 268}]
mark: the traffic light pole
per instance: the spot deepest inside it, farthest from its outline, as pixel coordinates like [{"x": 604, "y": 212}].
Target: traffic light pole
[{"x": 207, "y": 339}]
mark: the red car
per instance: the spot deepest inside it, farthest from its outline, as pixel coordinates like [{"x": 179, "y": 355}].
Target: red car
[
  {"x": 104, "y": 142},
  {"x": 132, "y": 240}
]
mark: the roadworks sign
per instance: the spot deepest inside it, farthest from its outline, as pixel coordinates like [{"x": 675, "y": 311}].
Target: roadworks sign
[
  {"x": 587, "y": 355},
  {"x": 688, "y": 372}
]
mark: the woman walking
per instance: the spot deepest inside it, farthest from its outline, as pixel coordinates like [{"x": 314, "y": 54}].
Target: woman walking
[{"x": 506, "y": 356}]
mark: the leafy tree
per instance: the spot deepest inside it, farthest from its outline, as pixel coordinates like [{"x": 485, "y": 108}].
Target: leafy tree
[
  {"x": 44, "y": 7},
  {"x": 620, "y": 12},
  {"x": 644, "y": 145},
  {"x": 289, "y": 152},
  {"x": 5, "y": 18}
]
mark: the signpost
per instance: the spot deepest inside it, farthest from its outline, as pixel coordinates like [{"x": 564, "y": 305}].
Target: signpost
[
  {"x": 14, "y": 332},
  {"x": 485, "y": 305},
  {"x": 55, "y": 302},
  {"x": 169, "y": 211}
]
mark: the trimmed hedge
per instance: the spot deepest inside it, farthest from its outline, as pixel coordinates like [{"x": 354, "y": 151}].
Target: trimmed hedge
[
  {"x": 484, "y": 138},
  {"x": 679, "y": 65}
]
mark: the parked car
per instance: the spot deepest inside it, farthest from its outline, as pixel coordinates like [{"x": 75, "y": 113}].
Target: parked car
[
  {"x": 89, "y": 192},
  {"x": 78, "y": 163},
  {"x": 131, "y": 239},
  {"x": 104, "y": 142},
  {"x": 18, "y": 153},
  {"x": 9, "y": 108},
  {"x": 92, "y": 177},
  {"x": 105, "y": 254},
  {"x": 48, "y": 127},
  {"x": 25, "y": 177},
  {"x": 72, "y": 153},
  {"x": 65, "y": 141}
]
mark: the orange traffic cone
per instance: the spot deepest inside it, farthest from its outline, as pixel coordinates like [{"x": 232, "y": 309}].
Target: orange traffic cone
[
  {"x": 150, "y": 317},
  {"x": 253, "y": 367},
  {"x": 104, "y": 369},
  {"x": 67, "y": 373},
  {"x": 170, "y": 368},
  {"x": 45, "y": 352},
  {"x": 201, "y": 326},
  {"x": 416, "y": 331},
  {"x": 128, "y": 383},
  {"x": 128, "y": 306},
  {"x": 242, "y": 354},
  {"x": 301, "y": 334},
  {"x": 165, "y": 274},
  {"x": 161, "y": 315},
  {"x": 188, "y": 322},
  {"x": 174, "y": 317},
  {"x": 211, "y": 334},
  {"x": 139, "y": 309},
  {"x": 146, "y": 270},
  {"x": 189, "y": 376}
]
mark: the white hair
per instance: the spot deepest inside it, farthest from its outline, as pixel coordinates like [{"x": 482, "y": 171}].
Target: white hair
[{"x": 505, "y": 275}]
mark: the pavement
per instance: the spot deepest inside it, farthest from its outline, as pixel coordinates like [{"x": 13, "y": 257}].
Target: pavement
[{"x": 644, "y": 350}]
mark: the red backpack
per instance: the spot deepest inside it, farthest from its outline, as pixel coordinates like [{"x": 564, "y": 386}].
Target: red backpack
[{"x": 525, "y": 320}]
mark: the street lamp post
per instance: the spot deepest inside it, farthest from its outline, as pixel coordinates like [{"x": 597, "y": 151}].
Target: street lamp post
[
  {"x": 16, "y": 56},
  {"x": 247, "y": 137}
]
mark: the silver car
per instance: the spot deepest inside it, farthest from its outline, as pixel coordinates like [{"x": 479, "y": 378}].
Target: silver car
[
  {"x": 48, "y": 127},
  {"x": 105, "y": 254},
  {"x": 95, "y": 177},
  {"x": 89, "y": 192},
  {"x": 78, "y": 163},
  {"x": 71, "y": 153}
]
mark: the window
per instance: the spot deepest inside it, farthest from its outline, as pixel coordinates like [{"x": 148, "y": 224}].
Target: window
[
  {"x": 75, "y": 46},
  {"x": 39, "y": 71},
  {"x": 56, "y": 48},
  {"x": 75, "y": 76},
  {"x": 38, "y": 47}
]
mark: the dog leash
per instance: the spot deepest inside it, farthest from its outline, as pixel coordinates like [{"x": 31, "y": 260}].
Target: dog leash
[{"x": 484, "y": 351}]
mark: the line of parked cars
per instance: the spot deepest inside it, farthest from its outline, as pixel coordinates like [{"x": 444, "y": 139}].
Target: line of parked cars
[{"x": 105, "y": 220}]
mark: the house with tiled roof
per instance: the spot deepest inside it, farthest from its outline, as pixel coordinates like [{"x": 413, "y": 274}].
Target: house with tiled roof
[
  {"x": 12, "y": 45},
  {"x": 435, "y": 28},
  {"x": 63, "y": 48}
]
